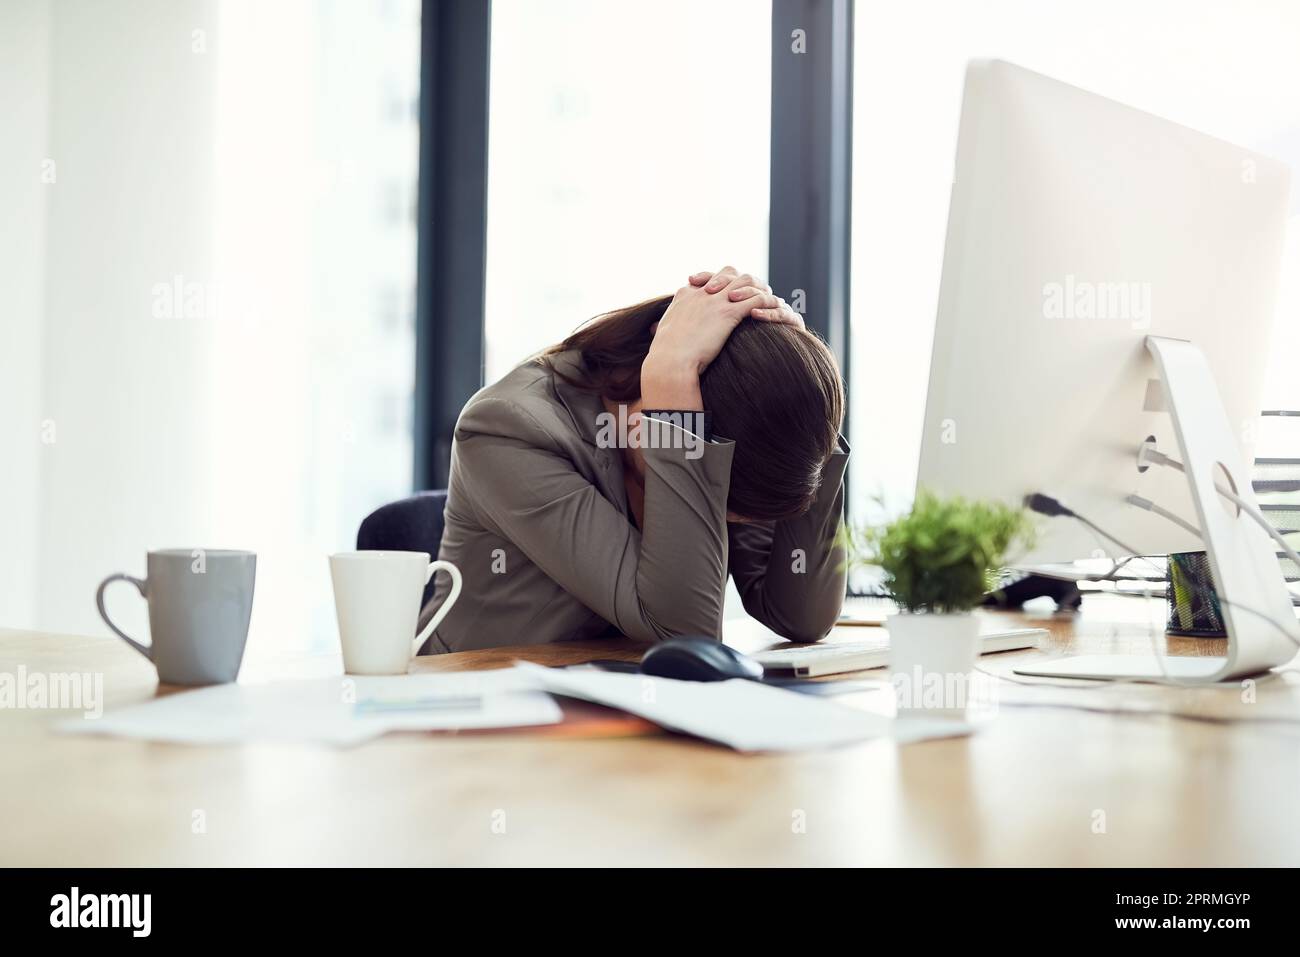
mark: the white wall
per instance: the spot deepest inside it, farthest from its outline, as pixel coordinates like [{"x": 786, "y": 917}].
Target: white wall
[
  {"x": 265, "y": 154},
  {"x": 24, "y": 104},
  {"x": 1229, "y": 70},
  {"x": 115, "y": 95}
]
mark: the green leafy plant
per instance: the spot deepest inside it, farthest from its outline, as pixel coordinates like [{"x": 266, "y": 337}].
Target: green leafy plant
[{"x": 944, "y": 555}]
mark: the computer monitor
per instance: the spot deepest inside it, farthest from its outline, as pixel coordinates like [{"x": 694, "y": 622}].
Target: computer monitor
[{"x": 1082, "y": 236}]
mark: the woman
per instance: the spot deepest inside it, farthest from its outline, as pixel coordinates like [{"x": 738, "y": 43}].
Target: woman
[{"x": 572, "y": 515}]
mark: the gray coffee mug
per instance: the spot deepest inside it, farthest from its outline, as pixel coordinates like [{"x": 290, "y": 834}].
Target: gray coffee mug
[{"x": 200, "y": 601}]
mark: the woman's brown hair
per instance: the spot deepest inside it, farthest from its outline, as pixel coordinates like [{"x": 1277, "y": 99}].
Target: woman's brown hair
[{"x": 773, "y": 389}]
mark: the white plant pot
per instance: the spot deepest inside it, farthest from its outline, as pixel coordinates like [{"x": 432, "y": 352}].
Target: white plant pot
[{"x": 932, "y": 662}]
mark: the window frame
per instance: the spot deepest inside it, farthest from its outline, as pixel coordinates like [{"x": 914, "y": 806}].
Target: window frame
[{"x": 810, "y": 197}]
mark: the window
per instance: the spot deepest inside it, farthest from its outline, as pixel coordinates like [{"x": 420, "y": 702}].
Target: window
[
  {"x": 224, "y": 358},
  {"x": 1225, "y": 69},
  {"x": 628, "y": 147},
  {"x": 316, "y": 166}
]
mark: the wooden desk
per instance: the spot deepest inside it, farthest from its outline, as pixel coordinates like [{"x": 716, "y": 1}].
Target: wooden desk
[{"x": 1033, "y": 786}]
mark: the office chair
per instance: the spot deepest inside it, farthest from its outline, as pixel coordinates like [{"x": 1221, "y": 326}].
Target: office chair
[{"x": 412, "y": 524}]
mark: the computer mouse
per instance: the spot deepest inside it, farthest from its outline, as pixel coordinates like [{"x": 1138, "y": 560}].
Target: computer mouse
[{"x": 698, "y": 659}]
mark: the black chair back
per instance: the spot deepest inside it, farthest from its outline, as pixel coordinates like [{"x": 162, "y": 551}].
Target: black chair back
[{"x": 413, "y": 524}]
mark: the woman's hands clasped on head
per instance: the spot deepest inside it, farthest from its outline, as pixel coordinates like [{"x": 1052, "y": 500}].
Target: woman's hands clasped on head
[
  {"x": 694, "y": 329},
  {"x": 763, "y": 305},
  {"x": 704, "y": 312}
]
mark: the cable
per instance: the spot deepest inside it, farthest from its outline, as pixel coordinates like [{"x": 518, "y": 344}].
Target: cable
[
  {"x": 1154, "y": 713},
  {"x": 1046, "y": 505},
  {"x": 1054, "y": 508},
  {"x": 1150, "y": 506},
  {"x": 1089, "y": 684},
  {"x": 1286, "y": 632},
  {"x": 1154, "y": 455}
]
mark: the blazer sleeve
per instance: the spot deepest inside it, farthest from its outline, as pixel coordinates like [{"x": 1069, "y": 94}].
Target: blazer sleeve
[
  {"x": 791, "y": 574},
  {"x": 663, "y": 582}
]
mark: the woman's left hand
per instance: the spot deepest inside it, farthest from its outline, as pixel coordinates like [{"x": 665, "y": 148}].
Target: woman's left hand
[{"x": 766, "y": 306}]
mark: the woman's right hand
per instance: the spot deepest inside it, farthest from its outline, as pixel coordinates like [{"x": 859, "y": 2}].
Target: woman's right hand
[
  {"x": 693, "y": 331},
  {"x": 697, "y": 322},
  {"x": 765, "y": 308}
]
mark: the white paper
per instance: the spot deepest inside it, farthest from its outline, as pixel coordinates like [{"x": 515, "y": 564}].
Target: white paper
[
  {"x": 324, "y": 710},
  {"x": 744, "y": 715}
]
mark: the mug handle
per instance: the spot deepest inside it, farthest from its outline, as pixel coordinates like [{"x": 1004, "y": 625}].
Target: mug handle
[
  {"x": 447, "y": 602},
  {"x": 141, "y": 587}
]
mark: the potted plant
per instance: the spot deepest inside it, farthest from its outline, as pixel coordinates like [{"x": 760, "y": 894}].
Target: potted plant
[{"x": 939, "y": 561}]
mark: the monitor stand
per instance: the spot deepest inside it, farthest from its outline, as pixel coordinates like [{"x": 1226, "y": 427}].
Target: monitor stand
[{"x": 1256, "y": 604}]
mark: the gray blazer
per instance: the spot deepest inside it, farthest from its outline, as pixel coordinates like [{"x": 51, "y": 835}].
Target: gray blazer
[{"x": 538, "y": 522}]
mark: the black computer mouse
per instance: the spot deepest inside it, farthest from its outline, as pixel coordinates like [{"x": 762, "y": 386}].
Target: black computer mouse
[{"x": 698, "y": 659}]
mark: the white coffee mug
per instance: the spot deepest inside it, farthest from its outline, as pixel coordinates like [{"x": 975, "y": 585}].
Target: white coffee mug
[{"x": 377, "y": 598}]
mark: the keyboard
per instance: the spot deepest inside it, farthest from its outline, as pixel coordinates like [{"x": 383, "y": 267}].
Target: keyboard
[
  {"x": 841, "y": 657},
  {"x": 866, "y": 610}
]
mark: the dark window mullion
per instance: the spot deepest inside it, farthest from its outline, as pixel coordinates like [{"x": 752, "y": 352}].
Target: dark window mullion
[
  {"x": 452, "y": 243},
  {"x": 812, "y": 152}
]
